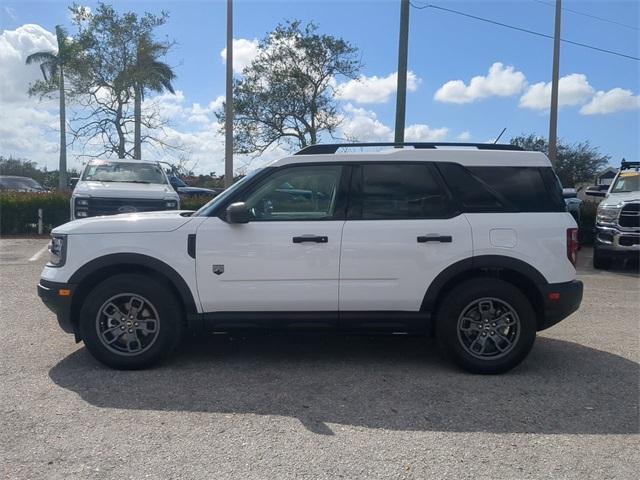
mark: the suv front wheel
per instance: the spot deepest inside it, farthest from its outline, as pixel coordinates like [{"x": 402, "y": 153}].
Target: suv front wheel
[
  {"x": 486, "y": 325},
  {"x": 130, "y": 321}
]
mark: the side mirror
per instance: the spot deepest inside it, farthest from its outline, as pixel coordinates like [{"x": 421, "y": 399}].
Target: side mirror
[
  {"x": 238, "y": 213},
  {"x": 569, "y": 193},
  {"x": 596, "y": 193},
  {"x": 73, "y": 182}
]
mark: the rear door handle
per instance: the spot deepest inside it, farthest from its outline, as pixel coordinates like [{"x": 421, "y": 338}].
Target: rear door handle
[
  {"x": 311, "y": 238},
  {"x": 434, "y": 237}
]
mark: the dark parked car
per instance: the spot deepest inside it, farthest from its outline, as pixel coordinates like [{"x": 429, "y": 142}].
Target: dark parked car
[
  {"x": 13, "y": 183},
  {"x": 184, "y": 189}
]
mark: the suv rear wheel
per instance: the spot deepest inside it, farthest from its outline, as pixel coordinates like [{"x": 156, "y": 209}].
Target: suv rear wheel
[
  {"x": 486, "y": 325},
  {"x": 130, "y": 321}
]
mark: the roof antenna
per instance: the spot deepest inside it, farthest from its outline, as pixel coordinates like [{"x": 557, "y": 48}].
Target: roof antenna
[{"x": 496, "y": 140}]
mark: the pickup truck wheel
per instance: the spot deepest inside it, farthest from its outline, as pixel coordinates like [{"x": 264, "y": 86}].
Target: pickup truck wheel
[
  {"x": 600, "y": 260},
  {"x": 130, "y": 322},
  {"x": 486, "y": 325}
]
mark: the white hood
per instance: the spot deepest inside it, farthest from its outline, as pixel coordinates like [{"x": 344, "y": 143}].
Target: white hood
[
  {"x": 617, "y": 198},
  {"x": 124, "y": 190},
  {"x": 144, "y": 222}
]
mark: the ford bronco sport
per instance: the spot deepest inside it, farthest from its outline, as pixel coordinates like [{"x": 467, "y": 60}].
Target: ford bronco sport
[{"x": 471, "y": 243}]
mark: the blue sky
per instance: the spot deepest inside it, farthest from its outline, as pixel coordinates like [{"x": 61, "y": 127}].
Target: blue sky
[{"x": 603, "y": 96}]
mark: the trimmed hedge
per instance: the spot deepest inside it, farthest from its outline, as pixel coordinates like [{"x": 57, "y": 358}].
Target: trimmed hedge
[{"x": 19, "y": 211}]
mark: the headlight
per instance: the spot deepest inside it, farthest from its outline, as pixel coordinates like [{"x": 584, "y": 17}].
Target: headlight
[
  {"x": 57, "y": 250},
  {"x": 171, "y": 204},
  {"x": 608, "y": 213},
  {"x": 81, "y": 207}
]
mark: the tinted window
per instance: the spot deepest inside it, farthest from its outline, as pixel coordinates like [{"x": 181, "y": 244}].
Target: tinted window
[
  {"x": 397, "y": 191},
  {"x": 471, "y": 193},
  {"x": 523, "y": 187},
  {"x": 128, "y": 172},
  {"x": 297, "y": 193}
]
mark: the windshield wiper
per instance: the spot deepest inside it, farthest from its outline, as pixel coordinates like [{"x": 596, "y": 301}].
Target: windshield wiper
[{"x": 137, "y": 181}]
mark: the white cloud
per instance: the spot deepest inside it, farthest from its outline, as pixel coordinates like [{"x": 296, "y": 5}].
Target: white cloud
[
  {"x": 501, "y": 81},
  {"x": 15, "y": 46},
  {"x": 244, "y": 51},
  {"x": 363, "y": 125},
  {"x": 359, "y": 124},
  {"x": 615, "y": 100},
  {"x": 573, "y": 89},
  {"x": 423, "y": 133},
  {"x": 374, "y": 89},
  {"x": 29, "y": 128},
  {"x": 200, "y": 114},
  {"x": 464, "y": 136}
]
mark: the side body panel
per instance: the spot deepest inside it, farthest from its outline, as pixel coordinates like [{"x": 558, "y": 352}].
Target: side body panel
[
  {"x": 264, "y": 270},
  {"x": 538, "y": 239},
  {"x": 384, "y": 267}
]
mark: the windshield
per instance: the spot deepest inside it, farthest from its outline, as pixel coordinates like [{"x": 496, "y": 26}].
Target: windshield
[
  {"x": 128, "y": 172},
  {"x": 627, "y": 182},
  {"x": 204, "y": 211},
  {"x": 19, "y": 183}
]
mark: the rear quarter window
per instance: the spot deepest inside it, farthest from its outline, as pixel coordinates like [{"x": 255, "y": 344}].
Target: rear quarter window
[{"x": 504, "y": 189}]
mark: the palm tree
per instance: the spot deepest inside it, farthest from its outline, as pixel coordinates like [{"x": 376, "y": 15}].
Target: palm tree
[
  {"x": 53, "y": 67},
  {"x": 149, "y": 74}
]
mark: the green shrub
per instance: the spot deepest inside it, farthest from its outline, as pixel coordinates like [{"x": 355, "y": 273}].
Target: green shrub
[
  {"x": 19, "y": 211},
  {"x": 587, "y": 222},
  {"x": 193, "y": 203}
]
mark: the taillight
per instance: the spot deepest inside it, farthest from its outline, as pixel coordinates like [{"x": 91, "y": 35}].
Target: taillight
[{"x": 572, "y": 245}]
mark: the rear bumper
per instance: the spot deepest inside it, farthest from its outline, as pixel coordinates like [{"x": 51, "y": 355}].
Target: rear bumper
[
  {"x": 560, "y": 301},
  {"x": 49, "y": 293}
]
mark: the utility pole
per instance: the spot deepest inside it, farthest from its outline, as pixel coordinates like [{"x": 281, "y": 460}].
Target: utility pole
[
  {"x": 553, "y": 117},
  {"x": 228, "y": 115},
  {"x": 403, "y": 48}
]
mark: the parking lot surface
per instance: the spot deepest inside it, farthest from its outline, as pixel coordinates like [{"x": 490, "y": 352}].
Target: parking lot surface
[{"x": 295, "y": 406}]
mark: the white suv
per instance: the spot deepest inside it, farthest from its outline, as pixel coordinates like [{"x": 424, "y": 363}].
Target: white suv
[
  {"x": 109, "y": 187},
  {"x": 470, "y": 243}
]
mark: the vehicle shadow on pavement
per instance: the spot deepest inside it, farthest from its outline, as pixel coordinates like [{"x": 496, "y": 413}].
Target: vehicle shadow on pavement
[{"x": 376, "y": 382}]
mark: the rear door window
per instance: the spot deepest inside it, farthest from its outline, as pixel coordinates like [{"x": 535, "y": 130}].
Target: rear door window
[{"x": 398, "y": 190}]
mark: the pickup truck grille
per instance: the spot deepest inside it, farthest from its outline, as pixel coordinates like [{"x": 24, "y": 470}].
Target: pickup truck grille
[
  {"x": 112, "y": 206},
  {"x": 630, "y": 216}
]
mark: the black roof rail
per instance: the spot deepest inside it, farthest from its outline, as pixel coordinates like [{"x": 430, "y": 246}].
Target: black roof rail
[
  {"x": 627, "y": 164},
  {"x": 329, "y": 148}
]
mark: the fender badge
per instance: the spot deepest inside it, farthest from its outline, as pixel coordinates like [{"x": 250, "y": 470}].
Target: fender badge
[{"x": 218, "y": 269}]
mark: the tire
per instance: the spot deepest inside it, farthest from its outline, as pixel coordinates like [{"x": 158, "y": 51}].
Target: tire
[
  {"x": 152, "y": 322},
  {"x": 467, "y": 311},
  {"x": 600, "y": 261}
]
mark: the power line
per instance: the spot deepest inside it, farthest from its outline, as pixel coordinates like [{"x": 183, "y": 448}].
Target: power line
[
  {"x": 589, "y": 15},
  {"x": 512, "y": 27}
]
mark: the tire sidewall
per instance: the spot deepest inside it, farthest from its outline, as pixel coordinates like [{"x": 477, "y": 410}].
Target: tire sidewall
[
  {"x": 170, "y": 320},
  {"x": 464, "y": 294}
]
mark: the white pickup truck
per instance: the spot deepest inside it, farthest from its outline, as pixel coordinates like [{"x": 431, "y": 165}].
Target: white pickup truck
[{"x": 109, "y": 187}]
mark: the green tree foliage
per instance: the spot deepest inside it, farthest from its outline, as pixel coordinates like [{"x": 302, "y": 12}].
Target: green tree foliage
[
  {"x": 53, "y": 66},
  {"x": 121, "y": 61},
  {"x": 286, "y": 95},
  {"x": 578, "y": 162},
  {"x": 148, "y": 74}
]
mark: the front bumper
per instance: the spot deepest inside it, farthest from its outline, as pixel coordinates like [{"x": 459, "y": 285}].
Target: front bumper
[
  {"x": 57, "y": 297},
  {"x": 560, "y": 301},
  {"x": 615, "y": 240}
]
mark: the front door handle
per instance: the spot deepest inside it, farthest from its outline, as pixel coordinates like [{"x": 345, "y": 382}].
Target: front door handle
[
  {"x": 311, "y": 238},
  {"x": 434, "y": 237}
]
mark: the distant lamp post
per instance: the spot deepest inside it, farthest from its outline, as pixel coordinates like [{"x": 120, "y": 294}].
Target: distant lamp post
[
  {"x": 553, "y": 114},
  {"x": 228, "y": 117}
]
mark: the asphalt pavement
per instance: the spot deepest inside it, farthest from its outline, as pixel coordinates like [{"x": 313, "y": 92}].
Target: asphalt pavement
[{"x": 319, "y": 406}]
